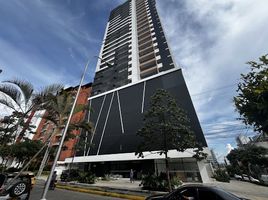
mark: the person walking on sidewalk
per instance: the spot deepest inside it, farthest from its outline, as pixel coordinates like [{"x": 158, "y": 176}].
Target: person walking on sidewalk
[
  {"x": 131, "y": 176},
  {"x": 53, "y": 181}
]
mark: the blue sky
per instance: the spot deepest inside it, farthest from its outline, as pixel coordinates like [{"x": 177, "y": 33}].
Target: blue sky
[{"x": 48, "y": 41}]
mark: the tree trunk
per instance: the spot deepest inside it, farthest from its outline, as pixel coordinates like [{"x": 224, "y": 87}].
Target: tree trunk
[
  {"x": 27, "y": 124},
  {"x": 167, "y": 172}
]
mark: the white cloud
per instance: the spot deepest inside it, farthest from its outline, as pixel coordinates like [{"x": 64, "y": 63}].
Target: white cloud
[{"x": 212, "y": 41}]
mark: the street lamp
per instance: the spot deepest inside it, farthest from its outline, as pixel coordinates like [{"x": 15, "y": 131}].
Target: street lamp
[
  {"x": 66, "y": 128},
  {"x": 64, "y": 135}
]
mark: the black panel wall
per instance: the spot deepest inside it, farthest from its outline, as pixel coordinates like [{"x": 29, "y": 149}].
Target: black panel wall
[{"x": 116, "y": 140}]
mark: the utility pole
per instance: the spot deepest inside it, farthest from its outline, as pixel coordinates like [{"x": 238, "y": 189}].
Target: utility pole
[{"x": 64, "y": 135}]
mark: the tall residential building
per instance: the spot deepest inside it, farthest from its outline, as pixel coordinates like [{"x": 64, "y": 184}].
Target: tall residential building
[
  {"x": 242, "y": 140},
  {"x": 134, "y": 44},
  {"x": 135, "y": 61}
]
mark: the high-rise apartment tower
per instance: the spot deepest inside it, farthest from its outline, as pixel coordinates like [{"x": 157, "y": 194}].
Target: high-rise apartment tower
[
  {"x": 135, "y": 61},
  {"x": 134, "y": 44}
]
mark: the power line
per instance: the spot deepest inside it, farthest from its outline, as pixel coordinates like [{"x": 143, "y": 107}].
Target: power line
[
  {"x": 227, "y": 94},
  {"x": 211, "y": 133},
  {"x": 225, "y": 129},
  {"x": 223, "y": 125},
  {"x": 217, "y": 122},
  {"x": 220, "y": 88}
]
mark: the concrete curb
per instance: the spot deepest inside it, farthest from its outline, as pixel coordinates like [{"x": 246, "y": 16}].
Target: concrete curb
[{"x": 100, "y": 192}]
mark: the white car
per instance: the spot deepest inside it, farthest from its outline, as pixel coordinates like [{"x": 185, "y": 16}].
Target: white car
[
  {"x": 238, "y": 177},
  {"x": 246, "y": 178}
]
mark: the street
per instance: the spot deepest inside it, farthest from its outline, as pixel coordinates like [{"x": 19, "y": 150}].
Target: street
[
  {"x": 244, "y": 189},
  {"x": 59, "y": 194}
]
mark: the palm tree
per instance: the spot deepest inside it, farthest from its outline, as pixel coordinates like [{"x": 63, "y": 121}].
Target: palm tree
[
  {"x": 19, "y": 96},
  {"x": 57, "y": 110}
]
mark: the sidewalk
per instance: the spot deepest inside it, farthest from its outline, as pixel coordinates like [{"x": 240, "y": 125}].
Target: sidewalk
[{"x": 119, "y": 184}]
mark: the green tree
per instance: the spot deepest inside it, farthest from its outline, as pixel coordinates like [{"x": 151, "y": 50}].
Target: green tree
[
  {"x": 7, "y": 129},
  {"x": 19, "y": 96},
  {"x": 166, "y": 126},
  {"x": 4, "y": 154},
  {"x": 25, "y": 150},
  {"x": 58, "y": 108},
  {"x": 249, "y": 158},
  {"x": 252, "y": 99}
]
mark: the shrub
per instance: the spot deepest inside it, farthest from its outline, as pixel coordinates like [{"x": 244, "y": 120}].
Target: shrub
[
  {"x": 73, "y": 176},
  {"x": 45, "y": 173},
  {"x": 106, "y": 177},
  {"x": 221, "y": 175},
  {"x": 159, "y": 183},
  {"x": 2, "y": 168},
  {"x": 232, "y": 170},
  {"x": 86, "y": 177},
  {"x": 175, "y": 182},
  {"x": 47, "y": 168}
]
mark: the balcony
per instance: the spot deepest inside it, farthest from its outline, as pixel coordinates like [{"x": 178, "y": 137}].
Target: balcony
[
  {"x": 148, "y": 64},
  {"x": 148, "y": 72},
  {"x": 147, "y": 50},
  {"x": 147, "y": 57},
  {"x": 145, "y": 39},
  {"x": 145, "y": 44}
]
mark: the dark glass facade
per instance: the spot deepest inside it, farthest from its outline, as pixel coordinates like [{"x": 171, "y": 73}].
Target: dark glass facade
[
  {"x": 118, "y": 115},
  {"x": 116, "y": 51}
]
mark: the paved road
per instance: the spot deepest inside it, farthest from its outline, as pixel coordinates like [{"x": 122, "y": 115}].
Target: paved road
[
  {"x": 240, "y": 188},
  {"x": 245, "y": 189},
  {"x": 59, "y": 194}
]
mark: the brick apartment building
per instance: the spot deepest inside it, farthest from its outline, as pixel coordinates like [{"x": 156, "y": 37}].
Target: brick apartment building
[{"x": 45, "y": 127}]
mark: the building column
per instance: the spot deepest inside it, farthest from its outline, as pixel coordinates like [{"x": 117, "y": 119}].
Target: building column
[{"x": 205, "y": 171}]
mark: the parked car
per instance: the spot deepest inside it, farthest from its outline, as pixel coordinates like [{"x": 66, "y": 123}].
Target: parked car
[
  {"x": 238, "y": 177},
  {"x": 196, "y": 192},
  {"x": 264, "y": 178},
  {"x": 250, "y": 178},
  {"x": 19, "y": 189}
]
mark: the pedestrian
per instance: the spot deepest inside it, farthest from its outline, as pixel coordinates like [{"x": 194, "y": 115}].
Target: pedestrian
[
  {"x": 53, "y": 181},
  {"x": 131, "y": 176}
]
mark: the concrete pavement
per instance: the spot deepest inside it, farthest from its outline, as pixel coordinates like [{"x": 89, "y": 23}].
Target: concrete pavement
[{"x": 244, "y": 189}]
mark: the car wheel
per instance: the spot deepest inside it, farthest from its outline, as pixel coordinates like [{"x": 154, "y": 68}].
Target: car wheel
[{"x": 18, "y": 189}]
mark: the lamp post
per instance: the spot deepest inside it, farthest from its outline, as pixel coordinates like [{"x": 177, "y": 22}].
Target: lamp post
[{"x": 64, "y": 135}]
